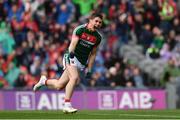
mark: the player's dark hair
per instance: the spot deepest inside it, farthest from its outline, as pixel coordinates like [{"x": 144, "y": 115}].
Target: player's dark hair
[{"x": 93, "y": 15}]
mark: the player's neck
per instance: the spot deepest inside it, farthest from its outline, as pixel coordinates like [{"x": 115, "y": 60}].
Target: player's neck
[{"x": 90, "y": 27}]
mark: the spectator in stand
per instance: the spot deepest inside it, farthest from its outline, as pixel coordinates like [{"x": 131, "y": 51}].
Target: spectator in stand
[
  {"x": 138, "y": 25},
  {"x": 127, "y": 77},
  {"x": 175, "y": 25},
  {"x": 137, "y": 78},
  {"x": 64, "y": 14},
  {"x": 123, "y": 28},
  {"x": 176, "y": 54},
  {"x": 171, "y": 72},
  {"x": 112, "y": 37},
  {"x": 146, "y": 37},
  {"x": 112, "y": 76},
  {"x": 158, "y": 39},
  {"x": 2, "y": 11},
  {"x": 7, "y": 41},
  {"x": 86, "y": 6},
  {"x": 167, "y": 12},
  {"x": 151, "y": 15},
  {"x": 171, "y": 40},
  {"x": 165, "y": 53},
  {"x": 152, "y": 52},
  {"x": 14, "y": 10}
]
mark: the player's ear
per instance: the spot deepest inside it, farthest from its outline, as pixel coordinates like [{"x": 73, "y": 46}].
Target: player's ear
[{"x": 103, "y": 24}]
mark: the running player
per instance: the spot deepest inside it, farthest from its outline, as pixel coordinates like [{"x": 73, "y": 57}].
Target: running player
[{"x": 81, "y": 52}]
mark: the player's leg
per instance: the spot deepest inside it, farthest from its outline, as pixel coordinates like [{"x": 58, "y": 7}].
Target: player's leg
[
  {"x": 58, "y": 84},
  {"x": 53, "y": 83},
  {"x": 73, "y": 78}
]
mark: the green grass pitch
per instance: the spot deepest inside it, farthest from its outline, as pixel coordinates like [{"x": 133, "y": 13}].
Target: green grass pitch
[{"x": 92, "y": 114}]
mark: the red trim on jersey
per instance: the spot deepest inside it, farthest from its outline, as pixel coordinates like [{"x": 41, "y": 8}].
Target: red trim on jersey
[{"x": 75, "y": 36}]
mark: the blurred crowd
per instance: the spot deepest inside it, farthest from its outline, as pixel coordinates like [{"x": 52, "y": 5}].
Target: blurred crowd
[{"x": 34, "y": 34}]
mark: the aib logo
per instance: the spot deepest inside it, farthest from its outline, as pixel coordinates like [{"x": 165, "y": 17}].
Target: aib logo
[
  {"x": 25, "y": 101},
  {"x": 107, "y": 100}
]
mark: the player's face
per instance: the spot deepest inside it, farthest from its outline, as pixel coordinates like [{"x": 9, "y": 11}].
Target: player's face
[{"x": 97, "y": 22}]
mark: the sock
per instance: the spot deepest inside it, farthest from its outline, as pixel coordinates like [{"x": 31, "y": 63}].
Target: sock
[
  {"x": 43, "y": 79},
  {"x": 67, "y": 103},
  {"x": 45, "y": 82},
  {"x": 67, "y": 100}
]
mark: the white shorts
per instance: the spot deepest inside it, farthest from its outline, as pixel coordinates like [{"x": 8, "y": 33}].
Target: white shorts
[{"x": 73, "y": 62}]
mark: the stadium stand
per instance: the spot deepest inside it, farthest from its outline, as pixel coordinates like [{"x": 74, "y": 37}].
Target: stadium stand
[{"x": 142, "y": 51}]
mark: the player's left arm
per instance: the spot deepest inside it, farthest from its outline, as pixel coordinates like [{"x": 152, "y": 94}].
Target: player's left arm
[
  {"x": 92, "y": 58},
  {"x": 93, "y": 54}
]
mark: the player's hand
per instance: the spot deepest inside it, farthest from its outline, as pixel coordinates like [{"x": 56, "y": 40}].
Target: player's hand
[
  {"x": 69, "y": 56},
  {"x": 88, "y": 75}
]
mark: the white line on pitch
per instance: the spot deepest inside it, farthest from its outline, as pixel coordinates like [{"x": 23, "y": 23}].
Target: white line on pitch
[{"x": 139, "y": 115}]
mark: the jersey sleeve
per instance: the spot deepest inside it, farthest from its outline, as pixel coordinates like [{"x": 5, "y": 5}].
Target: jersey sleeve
[
  {"x": 77, "y": 31},
  {"x": 99, "y": 38}
]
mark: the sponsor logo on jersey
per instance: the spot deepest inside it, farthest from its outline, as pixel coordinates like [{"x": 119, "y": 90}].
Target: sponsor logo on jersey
[{"x": 88, "y": 37}]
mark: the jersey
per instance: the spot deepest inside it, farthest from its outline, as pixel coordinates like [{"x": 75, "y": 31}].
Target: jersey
[{"x": 87, "y": 40}]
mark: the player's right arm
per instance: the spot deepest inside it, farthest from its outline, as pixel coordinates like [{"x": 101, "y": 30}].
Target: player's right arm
[
  {"x": 72, "y": 46},
  {"x": 75, "y": 38},
  {"x": 69, "y": 55},
  {"x": 74, "y": 41}
]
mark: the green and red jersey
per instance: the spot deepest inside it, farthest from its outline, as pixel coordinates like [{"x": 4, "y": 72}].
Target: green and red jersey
[{"x": 87, "y": 40}]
